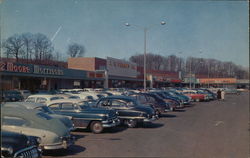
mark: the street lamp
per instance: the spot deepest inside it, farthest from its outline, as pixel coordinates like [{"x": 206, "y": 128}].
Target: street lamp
[
  {"x": 190, "y": 68},
  {"x": 145, "y": 29}
]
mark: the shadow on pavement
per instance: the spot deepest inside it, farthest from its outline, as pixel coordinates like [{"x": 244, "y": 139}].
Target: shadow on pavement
[
  {"x": 151, "y": 125},
  {"x": 72, "y": 150},
  {"x": 77, "y": 136},
  {"x": 116, "y": 129},
  {"x": 179, "y": 110},
  {"x": 168, "y": 115}
]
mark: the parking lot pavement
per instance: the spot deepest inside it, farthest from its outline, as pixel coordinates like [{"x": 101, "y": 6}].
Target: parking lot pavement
[{"x": 207, "y": 129}]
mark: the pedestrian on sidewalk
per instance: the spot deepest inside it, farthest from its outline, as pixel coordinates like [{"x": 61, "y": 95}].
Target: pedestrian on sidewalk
[
  {"x": 219, "y": 94},
  {"x": 222, "y": 95}
]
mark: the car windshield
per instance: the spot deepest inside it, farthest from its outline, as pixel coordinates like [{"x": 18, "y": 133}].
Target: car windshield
[
  {"x": 45, "y": 109},
  {"x": 83, "y": 104},
  {"x": 44, "y": 116}
]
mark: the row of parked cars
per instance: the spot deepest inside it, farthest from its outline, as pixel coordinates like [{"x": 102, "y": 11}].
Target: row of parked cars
[{"x": 44, "y": 121}]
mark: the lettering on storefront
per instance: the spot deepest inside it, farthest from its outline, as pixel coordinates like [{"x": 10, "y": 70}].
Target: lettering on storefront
[
  {"x": 47, "y": 71},
  {"x": 119, "y": 67},
  {"x": 14, "y": 68}
]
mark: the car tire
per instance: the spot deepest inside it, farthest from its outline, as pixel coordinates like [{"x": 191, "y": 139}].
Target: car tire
[
  {"x": 131, "y": 123},
  {"x": 96, "y": 127}
]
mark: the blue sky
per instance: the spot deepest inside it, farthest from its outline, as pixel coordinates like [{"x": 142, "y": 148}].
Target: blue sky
[{"x": 219, "y": 29}]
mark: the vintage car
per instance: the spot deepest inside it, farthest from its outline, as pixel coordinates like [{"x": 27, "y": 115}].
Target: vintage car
[
  {"x": 18, "y": 145},
  {"x": 25, "y": 93},
  {"x": 53, "y": 133},
  {"x": 130, "y": 111},
  {"x": 146, "y": 99},
  {"x": 184, "y": 99},
  {"x": 196, "y": 97},
  {"x": 232, "y": 91},
  {"x": 65, "y": 120},
  {"x": 12, "y": 95},
  {"x": 161, "y": 97},
  {"x": 42, "y": 98},
  {"x": 85, "y": 116}
]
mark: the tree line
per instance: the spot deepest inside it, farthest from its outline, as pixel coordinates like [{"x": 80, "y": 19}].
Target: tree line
[
  {"x": 39, "y": 48},
  {"x": 199, "y": 66},
  {"x": 36, "y": 47}
]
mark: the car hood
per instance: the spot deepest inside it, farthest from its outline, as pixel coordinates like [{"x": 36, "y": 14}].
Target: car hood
[{"x": 64, "y": 119}]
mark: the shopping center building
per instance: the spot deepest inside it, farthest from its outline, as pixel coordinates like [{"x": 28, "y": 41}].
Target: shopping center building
[{"x": 93, "y": 72}]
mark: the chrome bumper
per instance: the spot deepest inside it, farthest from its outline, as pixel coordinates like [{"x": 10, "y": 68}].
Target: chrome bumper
[
  {"x": 62, "y": 145},
  {"x": 31, "y": 152},
  {"x": 154, "y": 117},
  {"x": 111, "y": 123}
]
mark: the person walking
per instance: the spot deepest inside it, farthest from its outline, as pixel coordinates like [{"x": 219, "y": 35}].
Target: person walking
[
  {"x": 222, "y": 95},
  {"x": 219, "y": 94}
]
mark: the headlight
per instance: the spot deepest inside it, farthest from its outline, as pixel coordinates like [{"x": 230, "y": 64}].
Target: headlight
[
  {"x": 10, "y": 150},
  {"x": 39, "y": 140}
]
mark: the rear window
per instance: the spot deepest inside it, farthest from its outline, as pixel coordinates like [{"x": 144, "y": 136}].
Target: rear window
[
  {"x": 44, "y": 116},
  {"x": 31, "y": 99}
]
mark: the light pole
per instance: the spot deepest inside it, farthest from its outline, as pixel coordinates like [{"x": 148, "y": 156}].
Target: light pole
[
  {"x": 190, "y": 67},
  {"x": 145, "y": 29}
]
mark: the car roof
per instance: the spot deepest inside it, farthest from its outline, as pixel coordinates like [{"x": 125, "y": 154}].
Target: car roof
[
  {"x": 43, "y": 95},
  {"x": 65, "y": 100},
  {"x": 27, "y": 105},
  {"x": 119, "y": 97}
]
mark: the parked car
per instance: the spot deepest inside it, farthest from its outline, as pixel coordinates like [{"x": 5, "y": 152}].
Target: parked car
[
  {"x": 85, "y": 116},
  {"x": 174, "y": 104},
  {"x": 184, "y": 99},
  {"x": 18, "y": 145},
  {"x": 53, "y": 133},
  {"x": 130, "y": 111},
  {"x": 196, "y": 97},
  {"x": 231, "y": 91},
  {"x": 25, "y": 93},
  {"x": 64, "y": 119},
  {"x": 42, "y": 98},
  {"x": 144, "y": 98},
  {"x": 12, "y": 95}
]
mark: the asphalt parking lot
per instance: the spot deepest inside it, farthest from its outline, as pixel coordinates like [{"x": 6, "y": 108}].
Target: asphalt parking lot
[{"x": 206, "y": 129}]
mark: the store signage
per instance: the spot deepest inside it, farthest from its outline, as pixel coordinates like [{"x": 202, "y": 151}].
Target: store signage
[
  {"x": 47, "y": 70},
  {"x": 12, "y": 67},
  {"x": 95, "y": 75},
  {"x": 28, "y": 68},
  {"x": 217, "y": 80},
  {"x": 119, "y": 67}
]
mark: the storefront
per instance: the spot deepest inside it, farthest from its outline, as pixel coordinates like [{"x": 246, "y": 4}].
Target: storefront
[{"x": 34, "y": 77}]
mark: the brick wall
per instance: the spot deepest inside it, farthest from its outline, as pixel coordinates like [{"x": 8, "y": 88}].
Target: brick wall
[{"x": 82, "y": 63}]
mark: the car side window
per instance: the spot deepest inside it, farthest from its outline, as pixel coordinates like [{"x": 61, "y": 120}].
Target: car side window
[
  {"x": 41, "y": 100},
  {"x": 151, "y": 99},
  {"x": 14, "y": 121},
  {"x": 31, "y": 99},
  {"x": 119, "y": 103},
  {"x": 67, "y": 106},
  {"x": 104, "y": 102},
  {"x": 142, "y": 98},
  {"x": 54, "y": 106}
]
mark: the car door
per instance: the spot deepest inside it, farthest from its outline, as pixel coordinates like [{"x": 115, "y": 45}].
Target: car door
[
  {"x": 79, "y": 118},
  {"x": 123, "y": 109}
]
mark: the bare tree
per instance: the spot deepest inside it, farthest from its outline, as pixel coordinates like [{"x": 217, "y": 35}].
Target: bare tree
[
  {"x": 13, "y": 46},
  {"x": 75, "y": 50},
  {"x": 28, "y": 42},
  {"x": 42, "y": 46}
]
